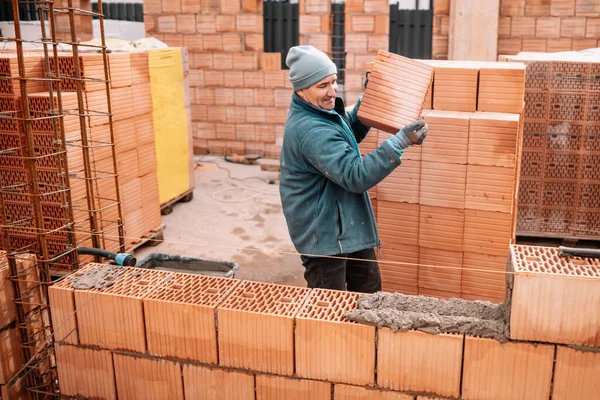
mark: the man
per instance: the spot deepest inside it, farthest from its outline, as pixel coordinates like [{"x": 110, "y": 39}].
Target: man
[{"x": 324, "y": 179}]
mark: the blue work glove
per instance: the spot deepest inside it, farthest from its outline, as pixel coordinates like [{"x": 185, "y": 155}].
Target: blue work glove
[{"x": 413, "y": 134}]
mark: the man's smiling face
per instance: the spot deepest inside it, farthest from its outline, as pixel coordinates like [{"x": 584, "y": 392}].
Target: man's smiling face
[{"x": 322, "y": 94}]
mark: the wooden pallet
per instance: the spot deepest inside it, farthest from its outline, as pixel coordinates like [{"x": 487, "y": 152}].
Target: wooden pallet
[
  {"x": 152, "y": 238},
  {"x": 167, "y": 207}
]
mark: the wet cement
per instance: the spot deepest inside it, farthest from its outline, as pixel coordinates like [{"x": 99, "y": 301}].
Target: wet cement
[
  {"x": 403, "y": 313},
  {"x": 98, "y": 278}
]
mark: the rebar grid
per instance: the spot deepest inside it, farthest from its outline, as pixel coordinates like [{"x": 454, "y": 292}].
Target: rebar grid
[{"x": 42, "y": 220}]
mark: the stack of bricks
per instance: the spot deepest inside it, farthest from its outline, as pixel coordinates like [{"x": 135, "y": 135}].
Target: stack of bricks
[
  {"x": 315, "y": 24},
  {"x": 239, "y": 95},
  {"x": 454, "y": 196},
  {"x": 250, "y": 340},
  {"x": 548, "y": 26},
  {"x": 133, "y": 138},
  {"x": 367, "y": 28},
  {"x": 560, "y": 185},
  {"x": 10, "y": 344},
  {"x": 18, "y": 205},
  {"x": 441, "y": 25},
  {"x": 133, "y": 141}
]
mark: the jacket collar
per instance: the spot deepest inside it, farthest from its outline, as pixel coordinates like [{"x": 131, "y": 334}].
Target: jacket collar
[{"x": 338, "y": 109}]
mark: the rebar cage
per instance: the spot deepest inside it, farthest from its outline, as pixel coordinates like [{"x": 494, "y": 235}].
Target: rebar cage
[{"x": 58, "y": 170}]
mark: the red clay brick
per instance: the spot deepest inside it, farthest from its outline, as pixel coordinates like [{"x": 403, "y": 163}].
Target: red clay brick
[
  {"x": 244, "y": 97},
  {"x": 196, "y": 78},
  {"x": 376, "y": 7},
  {"x": 362, "y": 23},
  {"x": 147, "y": 378},
  {"x": 354, "y": 6},
  {"x": 376, "y": 43},
  {"x": 256, "y": 325},
  {"x": 277, "y": 115},
  {"x": 270, "y": 61},
  {"x": 231, "y": 6},
  {"x": 150, "y": 23},
  {"x": 166, "y": 23},
  {"x": 310, "y": 24},
  {"x": 509, "y": 45},
  {"x": 356, "y": 43},
  {"x": 264, "y": 97},
  {"x": 248, "y": 61},
  {"x": 205, "y": 95},
  {"x": 206, "y": 383},
  {"x": 539, "y": 272},
  {"x": 226, "y": 23},
  {"x": 223, "y": 61},
  {"x": 583, "y": 44},
  {"x": 212, "y": 42},
  {"x": 283, "y": 97},
  {"x": 85, "y": 372},
  {"x": 252, "y": 6},
  {"x": 555, "y": 45},
  {"x": 346, "y": 392},
  {"x": 173, "y": 39},
  {"x": 206, "y": 130},
  {"x": 10, "y": 362},
  {"x": 562, "y": 8},
  {"x": 592, "y": 28},
  {"x": 507, "y": 7},
  {"x": 234, "y": 79},
  {"x": 548, "y": 27},
  {"x": 253, "y": 42},
  {"x": 576, "y": 374},
  {"x": 193, "y": 42},
  {"x": 316, "y": 6},
  {"x": 275, "y": 79},
  {"x": 254, "y": 79},
  {"x": 518, "y": 370},
  {"x": 236, "y": 114},
  {"x": 232, "y": 42},
  {"x": 206, "y": 23},
  {"x": 255, "y": 115},
  {"x": 190, "y": 6},
  {"x": 217, "y": 114},
  {"x": 419, "y": 362},
  {"x": 245, "y": 132},
  {"x": 277, "y": 387},
  {"x": 330, "y": 348},
  {"x": 522, "y": 27},
  {"x": 572, "y": 27},
  {"x": 203, "y": 60},
  {"x": 211, "y": 6},
  {"x": 224, "y": 96},
  {"x": 199, "y": 112},
  {"x": 250, "y": 23},
  {"x": 265, "y": 133},
  {"x": 186, "y": 23}
]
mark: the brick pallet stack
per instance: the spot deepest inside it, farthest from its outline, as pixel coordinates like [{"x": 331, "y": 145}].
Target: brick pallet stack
[
  {"x": 134, "y": 141},
  {"x": 560, "y": 185},
  {"x": 238, "y": 93},
  {"x": 446, "y": 215},
  {"x": 251, "y": 340}
]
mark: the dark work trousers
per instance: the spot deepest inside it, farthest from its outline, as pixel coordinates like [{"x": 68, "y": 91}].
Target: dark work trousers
[{"x": 339, "y": 274}]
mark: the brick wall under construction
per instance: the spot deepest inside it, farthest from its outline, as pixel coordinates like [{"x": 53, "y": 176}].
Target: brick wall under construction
[{"x": 175, "y": 335}]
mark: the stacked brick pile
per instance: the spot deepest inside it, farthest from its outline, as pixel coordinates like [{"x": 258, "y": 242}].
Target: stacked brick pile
[
  {"x": 10, "y": 349},
  {"x": 247, "y": 339},
  {"x": 366, "y": 32},
  {"x": 560, "y": 185},
  {"x": 533, "y": 25},
  {"x": 239, "y": 95},
  {"x": 453, "y": 199},
  {"x": 133, "y": 138}
]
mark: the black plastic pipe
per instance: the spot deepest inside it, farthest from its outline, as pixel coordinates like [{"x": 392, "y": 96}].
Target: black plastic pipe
[
  {"x": 578, "y": 252},
  {"x": 124, "y": 259}
]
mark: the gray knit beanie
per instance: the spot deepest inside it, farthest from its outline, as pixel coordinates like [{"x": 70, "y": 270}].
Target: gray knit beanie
[{"x": 308, "y": 66}]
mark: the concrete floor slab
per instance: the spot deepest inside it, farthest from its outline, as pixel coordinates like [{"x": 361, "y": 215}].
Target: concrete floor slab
[{"x": 233, "y": 217}]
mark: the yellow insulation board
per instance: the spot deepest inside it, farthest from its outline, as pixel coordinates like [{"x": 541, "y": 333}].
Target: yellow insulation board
[{"x": 171, "y": 128}]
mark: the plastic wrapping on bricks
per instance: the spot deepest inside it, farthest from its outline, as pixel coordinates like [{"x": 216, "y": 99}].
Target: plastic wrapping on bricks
[
  {"x": 530, "y": 192},
  {"x": 565, "y": 135},
  {"x": 534, "y": 135},
  {"x": 536, "y": 105},
  {"x": 567, "y": 106},
  {"x": 562, "y": 165},
  {"x": 533, "y": 164},
  {"x": 569, "y": 75},
  {"x": 563, "y": 193}
]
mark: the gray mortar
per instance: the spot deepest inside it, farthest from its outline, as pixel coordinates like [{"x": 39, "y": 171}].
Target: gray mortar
[
  {"x": 98, "y": 278},
  {"x": 403, "y": 313}
]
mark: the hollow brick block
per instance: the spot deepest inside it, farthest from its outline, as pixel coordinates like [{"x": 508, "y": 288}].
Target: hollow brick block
[
  {"x": 207, "y": 383},
  {"x": 270, "y": 387},
  {"x": 440, "y": 270},
  {"x": 328, "y": 347},
  {"x": 256, "y": 327},
  {"x": 576, "y": 374},
  {"x": 147, "y": 378},
  {"x": 10, "y": 353},
  {"x": 442, "y": 184},
  {"x": 501, "y": 87},
  {"x": 493, "y": 139},
  {"x": 448, "y": 137},
  {"x": 517, "y": 370},
  {"x": 85, "y": 373},
  {"x": 455, "y": 85},
  {"x": 180, "y": 317},
  {"x": 554, "y": 298},
  {"x": 490, "y": 188},
  {"x": 419, "y": 362},
  {"x": 113, "y": 317},
  {"x": 347, "y": 392},
  {"x": 403, "y": 184},
  {"x": 441, "y": 228},
  {"x": 382, "y": 107}
]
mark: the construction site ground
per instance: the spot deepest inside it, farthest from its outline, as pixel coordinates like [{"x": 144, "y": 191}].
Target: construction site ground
[{"x": 235, "y": 216}]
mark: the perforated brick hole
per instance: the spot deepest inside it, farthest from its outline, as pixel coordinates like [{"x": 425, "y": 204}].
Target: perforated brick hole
[
  {"x": 547, "y": 261},
  {"x": 329, "y": 305},
  {"x": 266, "y": 298},
  {"x": 194, "y": 289}
]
